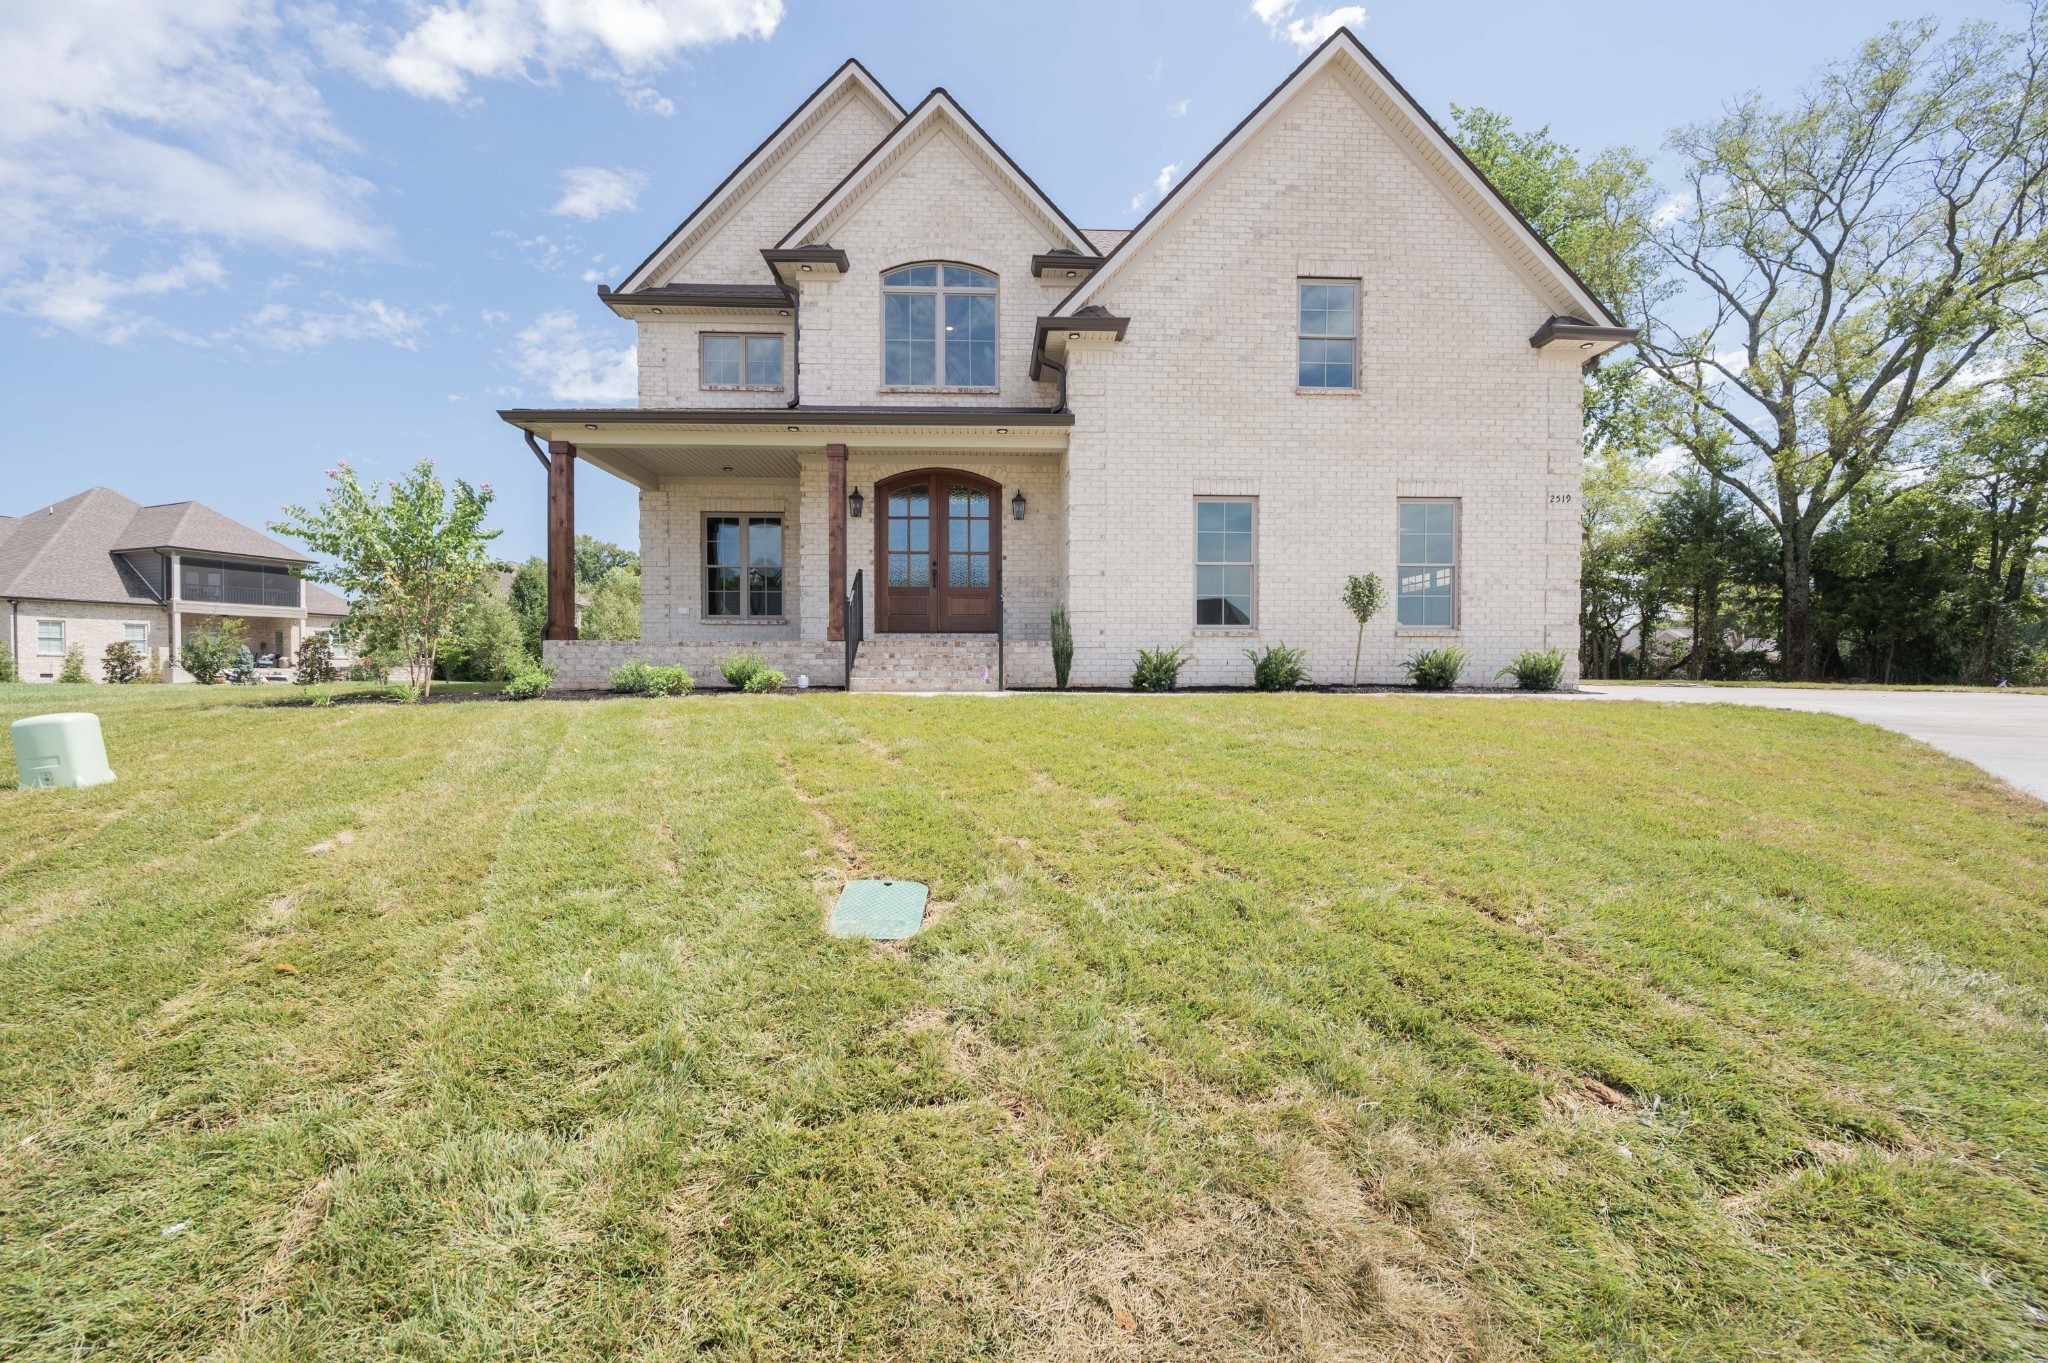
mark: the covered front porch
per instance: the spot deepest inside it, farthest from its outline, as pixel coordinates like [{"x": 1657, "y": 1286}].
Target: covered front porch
[{"x": 807, "y": 536}]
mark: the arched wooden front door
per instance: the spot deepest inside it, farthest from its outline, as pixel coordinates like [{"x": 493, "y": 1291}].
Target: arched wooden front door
[{"x": 938, "y": 553}]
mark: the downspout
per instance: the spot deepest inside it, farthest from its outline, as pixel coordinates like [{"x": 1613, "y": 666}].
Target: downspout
[
  {"x": 14, "y": 630},
  {"x": 534, "y": 445},
  {"x": 796, "y": 342},
  {"x": 1047, "y": 362}
]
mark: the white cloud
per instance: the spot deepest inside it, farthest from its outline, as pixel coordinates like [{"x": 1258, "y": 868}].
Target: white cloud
[
  {"x": 275, "y": 326},
  {"x": 1178, "y": 107},
  {"x": 1304, "y": 33},
  {"x": 555, "y": 353},
  {"x": 1163, "y": 181},
  {"x": 1137, "y": 202},
  {"x": 590, "y": 192},
  {"x": 463, "y": 40},
  {"x": 78, "y": 299}
]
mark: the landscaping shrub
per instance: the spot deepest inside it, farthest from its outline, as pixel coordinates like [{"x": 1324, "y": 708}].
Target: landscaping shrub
[
  {"x": 1062, "y": 647},
  {"x": 153, "y": 675},
  {"x": 242, "y": 672},
  {"x": 1534, "y": 670},
  {"x": 1278, "y": 668},
  {"x": 210, "y": 649},
  {"x": 405, "y": 693},
  {"x": 1437, "y": 669},
  {"x": 1158, "y": 669},
  {"x": 767, "y": 679},
  {"x": 74, "y": 665},
  {"x": 121, "y": 664},
  {"x": 642, "y": 678},
  {"x": 530, "y": 681},
  {"x": 10, "y": 671},
  {"x": 316, "y": 661},
  {"x": 367, "y": 669},
  {"x": 739, "y": 669}
]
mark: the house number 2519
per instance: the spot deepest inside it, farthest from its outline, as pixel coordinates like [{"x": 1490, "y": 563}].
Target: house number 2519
[{"x": 1560, "y": 499}]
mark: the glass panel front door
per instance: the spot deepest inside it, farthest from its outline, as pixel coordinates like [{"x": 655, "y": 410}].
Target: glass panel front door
[{"x": 939, "y": 550}]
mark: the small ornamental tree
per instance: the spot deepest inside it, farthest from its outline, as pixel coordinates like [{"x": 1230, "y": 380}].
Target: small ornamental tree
[
  {"x": 407, "y": 557},
  {"x": 121, "y": 664},
  {"x": 74, "y": 665},
  {"x": 210, "y": 649},
  {"x": 1363, "y": 597},
  {"x": 316, "y": 661}
]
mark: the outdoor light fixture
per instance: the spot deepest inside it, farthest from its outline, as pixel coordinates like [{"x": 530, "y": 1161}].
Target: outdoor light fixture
[
  {"x": 728, "y": 468},
  {"x": 854, "y": 503},
  {"x": 590, "y": 425},
  {"x": 657, "y": 312},
  {"x": 1073, "y": 335},
  {"x": 783, "y": 312},
  {"x": 1072, "y": 273},
  {"x": 1002, "y": 430},
  {"x": 1585, "y": 345},
  {"x": 792, "y": 428},
  {"x": 1017, "y": 506},
  {"x": 805, "y": 268}
]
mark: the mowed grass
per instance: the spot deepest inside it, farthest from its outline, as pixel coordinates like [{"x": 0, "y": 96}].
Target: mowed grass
[{"x": 1248, "y": 1028}]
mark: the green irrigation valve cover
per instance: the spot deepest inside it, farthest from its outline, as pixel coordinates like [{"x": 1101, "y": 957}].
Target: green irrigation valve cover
[{"x": 886, "y": 910}]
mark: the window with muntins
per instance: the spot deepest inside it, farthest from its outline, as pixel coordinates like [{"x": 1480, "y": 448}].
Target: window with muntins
[
  {"x": 1224, "y": 562},
  {"x": 138, "y": 635},
  {"x": 50, "y": 637},
  {"x": 741, "y": 361},
  {"x": 1326, "y": 354},
  {"x": 1427, "y": 573},
  {"x": 742, "y": 567},
  {"x": 938, "y": 327}
]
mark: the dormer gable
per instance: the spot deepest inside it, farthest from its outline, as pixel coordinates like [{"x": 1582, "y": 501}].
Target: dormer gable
[{"x": 813, "y": 149}]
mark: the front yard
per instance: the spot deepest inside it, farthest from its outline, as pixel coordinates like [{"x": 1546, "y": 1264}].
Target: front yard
[{"x": 1248, "y": 1028}]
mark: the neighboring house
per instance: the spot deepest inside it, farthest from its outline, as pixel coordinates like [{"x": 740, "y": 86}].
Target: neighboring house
[
  {"x": 97, "y": 569},
  {"x": 879, "y": 354}
]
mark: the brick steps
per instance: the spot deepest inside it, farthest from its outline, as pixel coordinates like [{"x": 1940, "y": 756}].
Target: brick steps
[{"x": 926, "y": 662}]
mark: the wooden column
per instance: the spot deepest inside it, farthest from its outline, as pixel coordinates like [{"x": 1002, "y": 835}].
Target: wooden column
[
  {"x": 561, "y": 541},
  {"x": 835, "y": 541}
]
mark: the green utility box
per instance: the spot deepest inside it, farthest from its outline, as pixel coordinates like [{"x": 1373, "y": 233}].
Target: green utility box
[{"x": 60, "y": 751}]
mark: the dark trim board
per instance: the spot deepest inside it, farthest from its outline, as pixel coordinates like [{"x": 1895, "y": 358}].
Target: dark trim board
[{"x": 794, "y": 418}]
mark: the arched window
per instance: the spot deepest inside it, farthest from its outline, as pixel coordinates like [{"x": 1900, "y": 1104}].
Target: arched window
[{"x": 938, "y": 327}]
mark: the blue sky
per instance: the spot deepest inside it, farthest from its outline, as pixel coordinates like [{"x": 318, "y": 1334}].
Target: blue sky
[{"x": 242, "y": 239}]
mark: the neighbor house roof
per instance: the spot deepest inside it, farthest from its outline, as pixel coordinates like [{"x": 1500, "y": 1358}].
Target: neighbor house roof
[{"x": 70, "y": 551}]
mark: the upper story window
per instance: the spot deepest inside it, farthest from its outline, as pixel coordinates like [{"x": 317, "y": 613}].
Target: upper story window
[
  {"x": 741, "y": 361},
  {"x": 938, "y": 327},
  {"x": 1327, "y": 351},
  {"x": 236, "y": 583}
]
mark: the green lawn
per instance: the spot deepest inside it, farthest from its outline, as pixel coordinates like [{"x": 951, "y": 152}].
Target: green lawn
[{"x": 1249, "y": 1028}]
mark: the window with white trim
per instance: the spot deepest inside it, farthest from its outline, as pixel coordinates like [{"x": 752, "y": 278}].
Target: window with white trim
[
  {"x": 1326, "y": 348},
  {"x": 740, "y": 361},
  {"x": 50, "y": 638},
  {"x": 1225, "y": 562},
  {"x": 742, "y": 567},
  {"x": 938, "y": 327},
  {"x": 1427, "y": 571},
  {"x": 135, "y": 634}
]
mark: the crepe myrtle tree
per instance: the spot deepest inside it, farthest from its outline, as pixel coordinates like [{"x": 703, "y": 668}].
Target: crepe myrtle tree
[
  {"x": 1838, "y": 271},
  {"x": 407, "y": 556}
]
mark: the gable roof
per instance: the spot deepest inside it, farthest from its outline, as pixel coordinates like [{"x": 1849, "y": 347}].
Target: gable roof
[
  {"x": 70, "y": 551},
  {"x": 936, "y": 109},
  {"x": 1431, "y": 144},
  {"x": 850, "y": 75}
]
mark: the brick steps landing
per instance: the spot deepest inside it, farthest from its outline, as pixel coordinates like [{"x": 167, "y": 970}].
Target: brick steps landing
[{"x": 925, "y": 662}]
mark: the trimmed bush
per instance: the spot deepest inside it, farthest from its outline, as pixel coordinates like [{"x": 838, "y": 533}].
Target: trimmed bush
[
  {"x": 642, "y": 678},
  {"x": 1062, "y": 647},
  {"x": 529, "y": 682},
  {"x": 1437, "y": 669},
  {"x": 1534, "y": 670},
  {"x": 316, "y": 661},
  {"x": 1158, "y": 669},
  {"x": 74, "y": 665},
  {"x": 121, "y": 664},
  {"x": 766, "y": 680},
  {"x": 1278, "y": 668},
  {"x": 740, "y": 668}
]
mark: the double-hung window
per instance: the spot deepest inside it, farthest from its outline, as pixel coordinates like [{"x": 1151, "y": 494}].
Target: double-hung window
[
  {"x": 741, "y": 361},
  {"x": 1427, "y": 573},
  {"x": 50, "y": 638},
  {"x": 136, "y": 635},
  {"x": 1224, "y": 562},
  {"x": 742, "y": 567},
  {"x": 938, "y": 327},
  {"x": 1326, "y": 350}
]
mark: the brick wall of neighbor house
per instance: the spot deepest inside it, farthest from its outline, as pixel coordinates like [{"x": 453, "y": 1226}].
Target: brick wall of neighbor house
[
  {"x": 1031, "y": 578},
  {"x": 86, "y": 623},
  {"x": 670, "y": 373},
  {"x": 1201, "y": 399},
  {"x": 672, "y": 558},
  {"x": 938, "y": 204}
]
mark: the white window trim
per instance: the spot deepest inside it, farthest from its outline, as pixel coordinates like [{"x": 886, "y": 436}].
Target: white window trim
[
  {"x": 781, "y": 373},
  {"x": 1457, "y": 566},
  {"x": 938, "y": 292},
  {"x": 1355, "y": 335},
  {"x": 1199, "y": 563},
  {"x": 746, "y": 615},
  {"x": 63, "y": 638},
  {"x": 142, "y": 625}
]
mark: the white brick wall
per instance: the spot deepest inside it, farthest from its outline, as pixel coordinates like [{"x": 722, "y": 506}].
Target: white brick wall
[
  {"x": 670, "y": 371},
  {"x": 672, "y": 558},
  {"x": 90, "y": 625}
]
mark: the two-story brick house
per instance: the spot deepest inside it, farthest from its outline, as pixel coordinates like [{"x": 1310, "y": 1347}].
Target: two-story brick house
[{"x": 882, "y": 372}]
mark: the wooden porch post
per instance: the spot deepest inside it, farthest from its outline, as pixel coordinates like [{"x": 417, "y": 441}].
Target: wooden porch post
[
  {"x": 561, "y": 541},
  {"x": 835, "y": 541}
]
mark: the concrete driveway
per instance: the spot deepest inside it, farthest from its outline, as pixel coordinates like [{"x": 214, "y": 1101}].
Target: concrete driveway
[{"x": 2004, "y": 733}]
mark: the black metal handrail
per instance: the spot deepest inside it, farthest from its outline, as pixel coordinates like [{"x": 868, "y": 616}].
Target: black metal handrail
[
  {"x": 999, "y": 639},
  {"x": 856, "y": 621}
]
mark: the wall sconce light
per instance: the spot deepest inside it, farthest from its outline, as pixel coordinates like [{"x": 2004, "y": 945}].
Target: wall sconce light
[
  {"x": 855, "y": 503},
  {"x": 1017, "y": 506}
]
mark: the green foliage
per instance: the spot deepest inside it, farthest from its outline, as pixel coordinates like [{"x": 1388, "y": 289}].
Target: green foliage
[
  {"x": 121, "y": 664},
  {"x": 1363, "y": 597},
  {"x": 614, "y": 609},
  {"x": 1062, "y": 647},
  {"x": 365, "y": 668},
  {"x": 598, "y": 559},
  {"x": 10, "y": 671},
  {"x": 767, "y": 679},
  {"x": 642, "y": 678},
  {"x": 153, "y": 674},
  {"x": 740, "y": 668},
  {"x": 316, "y": 661},
  {"x": 242, "y": 670},
  {"x": 1535, "y": 670},
  {"x": 1158, "y": 669},
  {"x": 405, "y": 693},
  {"x": 1437, "y": 669},
  {"x": 529, "y": 601},
  {"x": 407, "y": 558},
  {"x": 1279, "y": 668},
  {"x": 73, "y": 670},
  {"x": 211, "y": 648},
  {"x": 529, "y": 682},
  {"x": 485, "y": 641}
]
